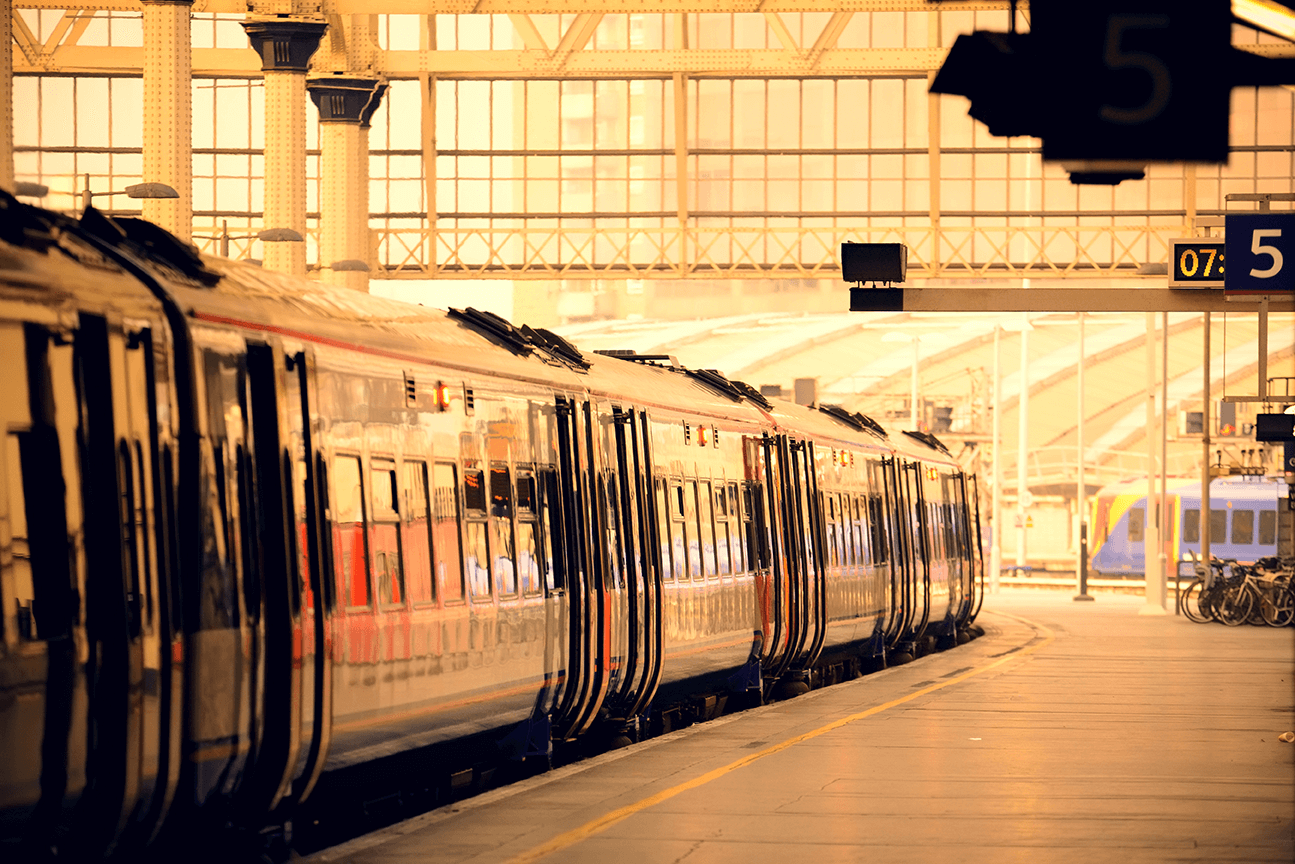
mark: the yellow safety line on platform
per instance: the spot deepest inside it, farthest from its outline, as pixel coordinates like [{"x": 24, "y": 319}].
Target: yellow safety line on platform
[{"x": 602, "y": 823}]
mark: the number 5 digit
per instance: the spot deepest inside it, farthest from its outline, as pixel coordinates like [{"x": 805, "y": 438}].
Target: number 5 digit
[
  {"x": 1117, "y": 58},
  {"x": 1259, "y": 248}
]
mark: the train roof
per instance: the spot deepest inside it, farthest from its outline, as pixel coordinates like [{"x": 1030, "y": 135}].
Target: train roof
[
  {"x": 45, "y": 254},
  {"x": 1235, "y": 488}
]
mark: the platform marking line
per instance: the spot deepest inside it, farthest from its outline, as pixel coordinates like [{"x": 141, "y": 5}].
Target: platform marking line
[{"x": 607, "y": 820}]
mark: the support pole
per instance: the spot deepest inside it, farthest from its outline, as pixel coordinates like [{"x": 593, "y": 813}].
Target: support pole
[
  {"x": 1162, "y": 512},
  {"x": 1023, "y": 445},
  {"x": 427, "y": 85},
  {"x": 1081, "y": 491},
  {"x": 1155, "y": 601},
  {"x": 363, "y": 236},
  {"x": 6, "y": 97},
  {"x": 344, "y": 104},
  {"x": 912, "y": 405},
  {"x": 1205, "y": 457},
  {"x": 996, "y": 508},
  {"x": 168, "y": 113},
  {"x": 285, "y": 46}
]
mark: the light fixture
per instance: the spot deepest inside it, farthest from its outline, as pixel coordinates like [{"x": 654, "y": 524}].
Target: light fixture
[
  {"x": 280, "y": 235},
  {"x": 136, "y": 191}
]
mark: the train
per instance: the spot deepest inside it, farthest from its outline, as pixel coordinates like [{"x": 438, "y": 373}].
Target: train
[
  {"x": 1247, "y": 515},
  {"x": 260, "y": 535}
]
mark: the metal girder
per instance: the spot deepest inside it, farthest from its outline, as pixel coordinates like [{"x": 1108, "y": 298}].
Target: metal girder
[
  {"x": 533, "y": 63},
  {"x": 508, "y": 7},
  {"x": 674, "y": 251},
  {"x": 1122, "y": 299}
]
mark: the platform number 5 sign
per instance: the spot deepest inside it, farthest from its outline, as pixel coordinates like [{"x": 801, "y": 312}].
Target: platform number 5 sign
[{"x": 1260, "y": 251}]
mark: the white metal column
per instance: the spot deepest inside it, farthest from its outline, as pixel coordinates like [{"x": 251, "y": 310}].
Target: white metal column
[
  {"x": 285, "y": 46},
  {"x": 168, "y": 113},
  {"x": 996, "y": 508},
  {"x": 1153, "y": 591},
  {"x": 1023, "y": 447},
  {"x": 345, "y": 105}
]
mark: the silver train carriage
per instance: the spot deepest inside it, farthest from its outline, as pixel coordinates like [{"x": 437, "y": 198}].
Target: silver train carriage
[{"x": 255, "y": 531}]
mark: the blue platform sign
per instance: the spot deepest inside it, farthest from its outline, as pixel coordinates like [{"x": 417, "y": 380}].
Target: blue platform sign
[{"x": 1260, "y": 253}]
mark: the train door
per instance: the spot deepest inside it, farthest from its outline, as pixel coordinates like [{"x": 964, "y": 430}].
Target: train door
[
  {"x": 919, "y": 527},
  {"x": 805, "y": 597},
  {"x": 306, "y": 504},
  {"x": 121, "y": 591},
  {"x": 269, "y": 519},
  {"x": 584, "y": 554},
  {"x": 628, "y": 493},
  {"x": 767, "y": 563},
  {"x": 977, "y": 551},
  {"x": 147, "y": 498},
  {"x": 897, "y": 530},
  {"x": 222, "y": 608},
  {"x": 44, "y": 762}
]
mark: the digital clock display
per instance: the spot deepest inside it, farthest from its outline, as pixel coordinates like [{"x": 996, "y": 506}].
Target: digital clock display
[{"x": 1196, "y": 263}]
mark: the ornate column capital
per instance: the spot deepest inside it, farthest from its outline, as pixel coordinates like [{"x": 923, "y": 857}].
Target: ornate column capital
[
  {"x": 285, "y": 44},
  {"x": 344, "y": 98},
  {"x": 369, "y": 110}
]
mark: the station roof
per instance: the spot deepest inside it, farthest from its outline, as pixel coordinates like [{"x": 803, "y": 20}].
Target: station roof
[{"x": 864, "y": 362}]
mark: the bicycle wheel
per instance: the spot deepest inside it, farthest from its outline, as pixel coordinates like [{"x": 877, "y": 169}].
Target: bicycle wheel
[
  {"x": 1192, "y": 604},
  {"x": 1256, "y": 616},
  {"x": 1234, "y": 608},
  {"x": 1277, "y": 605},
  {"x": 1211, "y": 597}
]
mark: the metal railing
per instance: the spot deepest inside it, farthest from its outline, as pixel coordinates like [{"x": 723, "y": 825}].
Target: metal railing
[{"x": 727, "y": 252}]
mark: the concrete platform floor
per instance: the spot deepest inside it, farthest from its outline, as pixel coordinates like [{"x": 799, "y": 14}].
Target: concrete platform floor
[{"x": 1077, "y": 732}]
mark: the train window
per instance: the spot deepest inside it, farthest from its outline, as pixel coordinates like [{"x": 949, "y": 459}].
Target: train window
[
  {"x": 691, "y": 542},
  {"x": 144, "y": 514},
  {"x": 445, "y": 531},
  {"x": 299, "y": 541},
  {"x": 1218, "y": 526},
  {"x": 663, "y": 529},
  {"x": 723, "y": 531},
  {"x": 528, "y": 562},
  {"x": 848, "y": 521},
  {"x": 531, "y": 556},
  {"x": 678, "y": 537},
  {"x": 1267, "y": 527},
  {"x": 416, "y": 535},
  {"x": 833, "y": 541},
  {"x": 384, "y": 529},
  {"x": 757, "y": 552},
  {"x": 474, "y": 491},
  {"x": 501, "y": 513},
  {"x": 860, "y": 532},
  {"x": 1243, "y": 527},
  {"x": 501, "y": 492},
  {"x": 525, "y": 492},
  {"x": 736, "y": 526},
  {"x": 551, "y": 515},
  {"x": 1192, "y": 526},
  {"x": 607, "y": 498},
  {"x": 1137, "y": 524},
  {"x": 706, "y": 528},
  {"x": 348, "y": 527},
  {"x": 476, "y": 556},
  {"x": 130, "y": 507}
]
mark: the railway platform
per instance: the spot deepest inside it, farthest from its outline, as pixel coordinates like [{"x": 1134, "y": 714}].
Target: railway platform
[{"x": 1070, "y": 732}]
